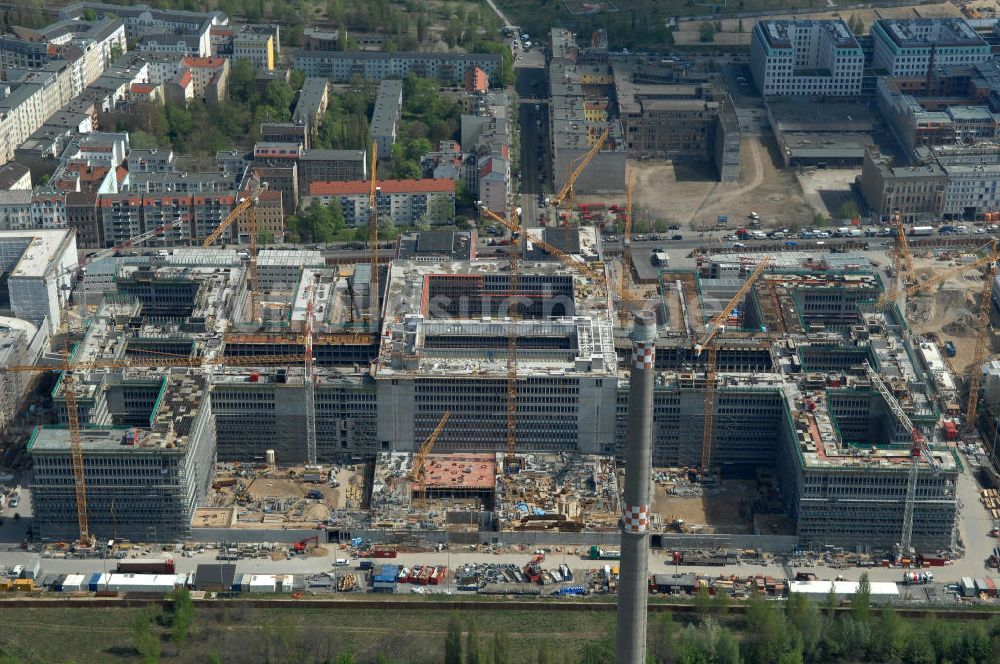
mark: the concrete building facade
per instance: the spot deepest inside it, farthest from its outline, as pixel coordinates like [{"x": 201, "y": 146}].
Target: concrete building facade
[{"x": 806, "y": 57}]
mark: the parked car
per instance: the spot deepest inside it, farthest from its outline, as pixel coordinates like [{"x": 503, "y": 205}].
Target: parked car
[{"x": 676, "y": 237}]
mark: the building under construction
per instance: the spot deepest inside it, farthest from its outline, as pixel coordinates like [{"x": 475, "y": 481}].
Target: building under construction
[{"x": 792, "y": 391}]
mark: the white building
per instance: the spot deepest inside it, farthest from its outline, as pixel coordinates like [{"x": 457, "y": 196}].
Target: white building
[
  {"x": 791, "y": 58},
  {"x": 906, "y": 47},
  {"x": 40, "y": 265}
]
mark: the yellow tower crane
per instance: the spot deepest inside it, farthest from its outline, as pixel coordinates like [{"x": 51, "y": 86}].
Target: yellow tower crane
[
  {"x": 67, "y": 368},
  {"x": 419, "y": 473},
  {"x": 373, "y": 191},
  {"x": 707, "y": 342},
  {"x": 248, "y": 204},
  {"x": 566, "y": 191}
]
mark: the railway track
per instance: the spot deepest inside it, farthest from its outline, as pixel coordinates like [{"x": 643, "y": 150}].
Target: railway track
[{"x": 913, "y": 613}]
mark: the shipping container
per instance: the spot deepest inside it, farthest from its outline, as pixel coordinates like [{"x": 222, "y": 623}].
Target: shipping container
[
  {"x": 147, "y": 566},
  {"x": 23, "y": 585},
  {"x": 968, "y": 586},
  {"x": 74, "y": 583},
  {"x": 32, "y": 569}
]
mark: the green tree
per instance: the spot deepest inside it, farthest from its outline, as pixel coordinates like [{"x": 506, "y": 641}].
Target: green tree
[
  {"x": 847, "y": 210},
  {"x": 241, "y": 81},
  {"x": 803, "y": 615},
  {"x": 706, "y": 32},
  {"x": 453, "y": 643},
  {"x": 182, "y": 616},
  {"x": 861, "y": 601},
  {"x": 889, "y": 637},
  {"x": 89, "y": 14},
  {"x": 727, "y": 650},
  {"x": 141, "y": 140},
  {"x": 147, "y": 643},
  {"x": 720, "y": 605},
  {"x": 702, "y": 601}
]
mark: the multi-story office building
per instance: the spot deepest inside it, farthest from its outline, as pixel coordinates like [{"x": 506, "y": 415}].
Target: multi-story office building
[
  {"x": 39, "y": 269},
  {"x": 806, "y": 57},
  {"x": 401, "y": 202},
  {"x": 342, "y": 66},
  {"x": 141, "y": 484},
  {"x": 909, "y": 47}
]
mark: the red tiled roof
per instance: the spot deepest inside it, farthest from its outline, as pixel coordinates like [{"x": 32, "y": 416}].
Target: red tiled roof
[
  {"x": 121, "y": 173},
  {"x": 387, "y": 187},
  {"x": 142, "y": 88},
  {"x": 185, "y": 79}
]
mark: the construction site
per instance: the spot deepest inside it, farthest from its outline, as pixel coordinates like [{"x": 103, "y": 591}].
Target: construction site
[{"x": 441, "y": 398}]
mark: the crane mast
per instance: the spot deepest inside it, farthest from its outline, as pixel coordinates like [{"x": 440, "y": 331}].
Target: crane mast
[
  {"x": 917, "y": 451},
  {"x": 567, "y": 188},
  {"x": 310, "y": 376},
  {"x": 419, "y": 473},
  {"x": 982, "y": 349},
  {"x": 514, "y": 312},
  {"x": 67, "y": 368},
  {"x": 374, "y": 295},
  {"x": 707, "y": 342}
]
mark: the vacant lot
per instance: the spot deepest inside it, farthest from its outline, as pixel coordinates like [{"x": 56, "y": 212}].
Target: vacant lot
[
  {"x": 687, "y": 193},
  {"x": 247, "y": 635}
]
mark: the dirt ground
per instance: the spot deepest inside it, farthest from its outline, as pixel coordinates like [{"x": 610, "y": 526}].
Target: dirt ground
[
  {"x": 825, "y": 190},
  {"x": 687, "y": 193},
  {"x": 717, "y": 510},
  {"x": 952, "y": 313}
]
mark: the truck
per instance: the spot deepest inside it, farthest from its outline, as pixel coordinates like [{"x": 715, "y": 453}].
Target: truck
[
  {"x": 921, "y": 230},
  {"x": 854, "y": 232},
  {"x": 147, "y": 566},
  {"x": 917, "y": 578},
  {"x": 597, "y": 553}
]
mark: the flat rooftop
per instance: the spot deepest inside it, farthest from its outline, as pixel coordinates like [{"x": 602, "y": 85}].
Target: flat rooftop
[
  {"x": 461, "y": 471},
  {"x": 40, "y": 248},
  {"x": 927, "y": 32},
  {"x": 778, "y": 33}
]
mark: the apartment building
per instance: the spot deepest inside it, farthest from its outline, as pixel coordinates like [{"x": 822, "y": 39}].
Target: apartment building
[
  {"x": 311, "y": 104},
  {"x": 90, "y": 45},
  {"x": 21, "y": 343},
  {"x": 342, "y": 66},
  {"x": 400, "y": 202},
  {"x": 384, "y": 124},
  {"x": 806, "y": 57},
  {"x": 330, "y": 165},
  {"x": 143, "y": 20},
  {"x": 909, "y": 47}
]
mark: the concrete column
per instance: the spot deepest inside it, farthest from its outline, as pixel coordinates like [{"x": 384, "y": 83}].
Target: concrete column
[{"x": 630, "y": 641}]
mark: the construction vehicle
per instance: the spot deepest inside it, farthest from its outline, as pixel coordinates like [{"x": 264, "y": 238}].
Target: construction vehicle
[
  {"x": 306, "y": 545},
  {"x": 597, "y": 553},
  {"x": 918, "y": 451},
  {"x": 249, "y": 205},
  {"x": 917, "y": 578},
  {"x": 708, "y": 342},
  {"x": 419, "y": 473}
]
